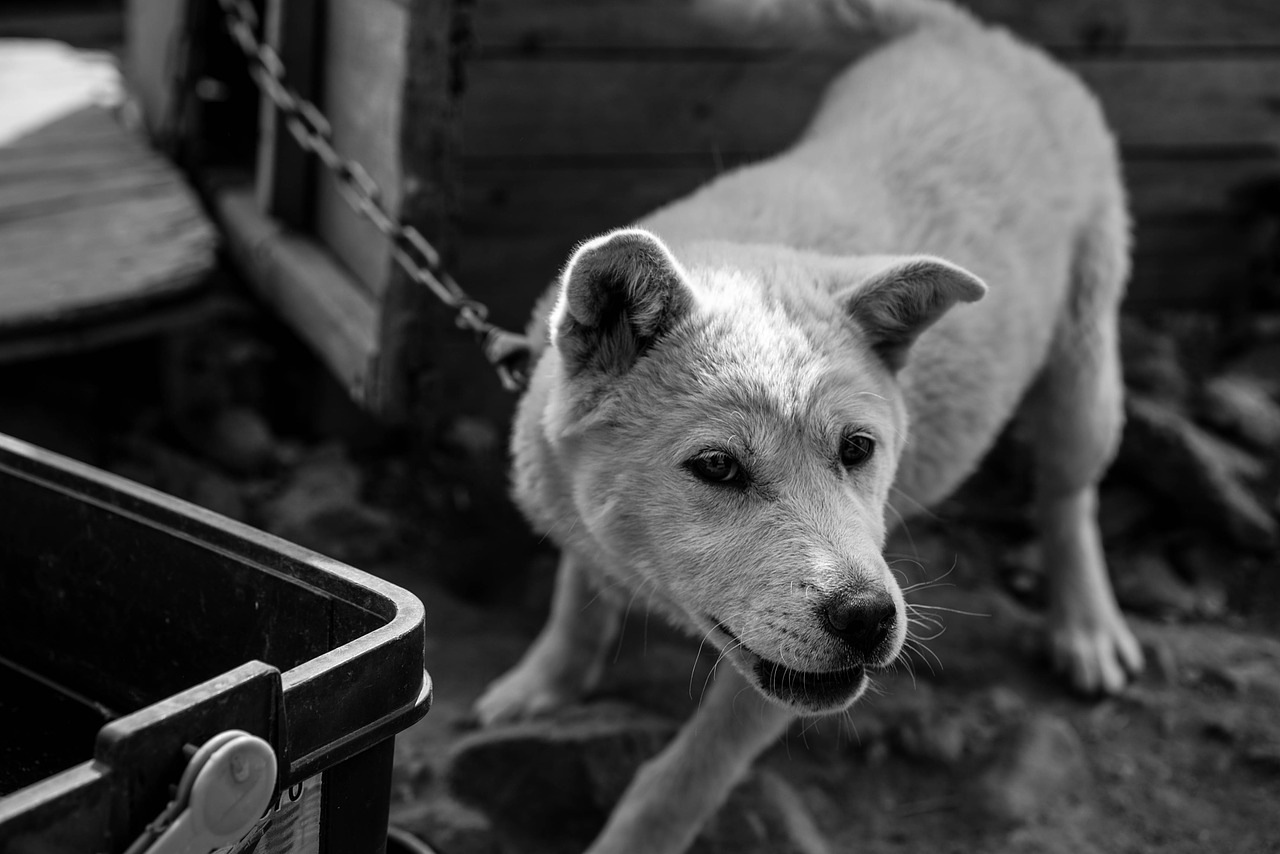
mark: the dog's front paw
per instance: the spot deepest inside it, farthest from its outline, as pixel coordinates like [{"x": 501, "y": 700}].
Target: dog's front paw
[
  {"x": 1099, "y": 656},
  {"x": 528, "y": 690}
]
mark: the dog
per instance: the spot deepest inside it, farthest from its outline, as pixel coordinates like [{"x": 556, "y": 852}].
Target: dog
[{"x": 736, "y": 397}]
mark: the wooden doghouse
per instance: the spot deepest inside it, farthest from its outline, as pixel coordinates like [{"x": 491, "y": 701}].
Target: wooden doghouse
[{"x": 507, "y": 130}]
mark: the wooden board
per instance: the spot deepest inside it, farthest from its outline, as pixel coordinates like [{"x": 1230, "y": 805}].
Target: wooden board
[
  {"x": 305, "y": 285},
  {"x": 1229, "y": 102},
  {"x": 93, "y": 225},
  {"x": 89, "y": 24},
  {"x": 153, "y": 35},
  {"x": 568, "y": 108},
  {"x": 362, "y": 80},
  {"x": 558, "y": 108},
  {"x": 286, "y": 173},
  {"x": 521, "y": 202},
  {"x": 581, "y": 115},
  {"x": 1190, "y": 187},
  {"x": 1176, "y": 265},
  {"x": 1183, "y": 206},
  {"x": 423, "y": 376},
  {"x": 527, "y": 26}
]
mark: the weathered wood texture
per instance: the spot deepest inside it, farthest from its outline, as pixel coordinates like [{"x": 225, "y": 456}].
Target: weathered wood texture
[
  {"x": 580, "y": 116},
  {"x": 301, "y": 280},
  {"x": 322, "y": 266},
  {"x": 153, "y": 32},
  {"x": 363, "y": 76},
  {"x": 427, "y": 370},
  {"x": 93, "y": 226},
  {"x": 568, "y": 117},
  {"x": 91, "y": 24},
  {"x": 286, "y": 175},
  {"x": 524, "y": 25}
]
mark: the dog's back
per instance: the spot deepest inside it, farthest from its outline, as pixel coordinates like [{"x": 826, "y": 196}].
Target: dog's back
[{"x": 952, "y": 139}]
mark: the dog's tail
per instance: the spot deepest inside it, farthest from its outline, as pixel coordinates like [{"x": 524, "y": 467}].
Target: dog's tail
[{"x": 825, "y": 21}]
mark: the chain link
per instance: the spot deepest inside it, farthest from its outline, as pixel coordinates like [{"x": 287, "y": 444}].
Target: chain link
[{"x": 507, "y": 351}]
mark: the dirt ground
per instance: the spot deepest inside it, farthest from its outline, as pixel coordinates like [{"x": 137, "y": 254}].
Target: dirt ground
[{"x": 974, "y": 746}]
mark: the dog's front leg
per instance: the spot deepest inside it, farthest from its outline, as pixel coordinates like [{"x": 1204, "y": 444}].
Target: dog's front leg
[
  {"x": 566, "y": 659},
  {"x": 674, "y": 794}
]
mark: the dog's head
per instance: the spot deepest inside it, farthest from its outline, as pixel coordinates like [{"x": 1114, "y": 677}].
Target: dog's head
[{"x": 728, "y": 424}]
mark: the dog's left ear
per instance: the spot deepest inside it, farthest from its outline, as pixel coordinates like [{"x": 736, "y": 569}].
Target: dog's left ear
[
  {"x": 896, "y": 298},
  {"x": 619, "y": 294}
]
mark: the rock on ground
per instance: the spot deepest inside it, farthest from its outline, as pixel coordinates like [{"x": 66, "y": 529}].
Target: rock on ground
[
  {"x": 1201, "y": 475},
  {"x": 552, "y": 783},
  {"x": 764, "y": 814},
  {"x": 1040, "y": 769},
  {"x": 1151, "y": 361},
  {"x": 450, "y": 827},
  {"x": 319, "y": 505},
  {"x": 565, "y": 771},
  {"x": 1242, "y": 408},
  {"x": 1147, "y": 584}
]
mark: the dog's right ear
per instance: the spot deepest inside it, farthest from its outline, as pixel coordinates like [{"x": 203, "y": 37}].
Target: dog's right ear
[
  {"x": 618, "y": 295},
  {"x": 895, "y": 298}
]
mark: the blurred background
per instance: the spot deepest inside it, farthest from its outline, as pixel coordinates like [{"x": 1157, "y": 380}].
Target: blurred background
[{"x": 206, "y": 286}]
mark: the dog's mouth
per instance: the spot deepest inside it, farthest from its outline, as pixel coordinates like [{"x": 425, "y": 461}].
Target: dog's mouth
[{"x": 810, "y": 691}]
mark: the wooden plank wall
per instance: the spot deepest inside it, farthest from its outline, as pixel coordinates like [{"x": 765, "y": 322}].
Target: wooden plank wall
[
  {"x": 363, "y": 50},
  {"x": 580, "y": 115}
]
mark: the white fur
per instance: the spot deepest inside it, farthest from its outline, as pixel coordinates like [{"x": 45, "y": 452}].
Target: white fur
[{"x": 766, "y": 316}]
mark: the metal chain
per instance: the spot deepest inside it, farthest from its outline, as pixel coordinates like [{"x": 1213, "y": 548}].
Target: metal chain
[{"x": 507, "y": 351}]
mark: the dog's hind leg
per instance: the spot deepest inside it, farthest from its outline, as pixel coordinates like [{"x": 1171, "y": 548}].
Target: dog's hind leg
[
  {"x": 1075, "y": 414},
  {"x": 565, "y": 661},
  {"x": 674, "y": 794}
]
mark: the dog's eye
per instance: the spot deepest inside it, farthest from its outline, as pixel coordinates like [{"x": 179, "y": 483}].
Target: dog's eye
[
  {"x": 856, "y": 449},
  {"x": 716, "y": 467}
]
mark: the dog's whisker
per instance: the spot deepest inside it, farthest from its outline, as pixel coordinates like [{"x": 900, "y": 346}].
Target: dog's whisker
[
  {"x": 922, "y": 616},
  {"x": 928, "y": 638},
  {"x": 925, "y": 585},
  {"x": 648, "y": 609},
  {"x": 573, "y": 523},
  {"x": 693, "y": 671},
  {"x": 912, "y": 605},
  {"x": 929, "y": 620},
  {"x": 920, "y": 648},
  {"x": 923, "y": 509},
  {"x": 930, "y": 582},
  {"x": 635, "y": 593},
  {"x": 912, "y": 644},
  {"x": 724, "y": 653},
  {"x": 811, "y": 723},
  {"x": 908, "y": 666},
  {"x": 853, "y": 726},
  {"x": 712, "y": 672},
  {"x": 936, "y": 628},
  {"x": 914, "y": 616},
  {"x": 902, "y": 523}
]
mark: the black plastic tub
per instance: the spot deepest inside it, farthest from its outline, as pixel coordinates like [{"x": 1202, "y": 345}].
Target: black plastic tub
[{"x": 134, "y": 626}]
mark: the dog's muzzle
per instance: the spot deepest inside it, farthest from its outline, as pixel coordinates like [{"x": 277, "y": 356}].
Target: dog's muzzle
[
  {"x": 808, "y": 691},
  {"x": 817, "y": 692}
]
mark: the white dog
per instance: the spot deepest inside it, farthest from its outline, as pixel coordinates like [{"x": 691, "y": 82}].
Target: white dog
[{"x": 735, "y": 399}]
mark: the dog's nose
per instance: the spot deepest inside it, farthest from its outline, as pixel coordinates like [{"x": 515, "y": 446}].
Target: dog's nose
[{"x": 863, "y": 622}]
